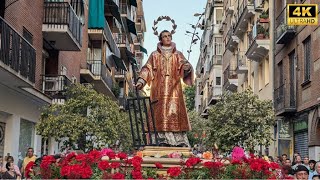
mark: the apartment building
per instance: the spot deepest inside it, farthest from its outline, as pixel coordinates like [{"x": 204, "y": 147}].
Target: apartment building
[
  {"x": 48, "y": 45},
  {"x": 296, "y": 84},
  {"x": 248, "y": 55},
  {"x": 209, "y": 66}
]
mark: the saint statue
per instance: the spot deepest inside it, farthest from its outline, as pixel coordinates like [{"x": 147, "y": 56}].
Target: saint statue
[{"x": 163, "y": 73}]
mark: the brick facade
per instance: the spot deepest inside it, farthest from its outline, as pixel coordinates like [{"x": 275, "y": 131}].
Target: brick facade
[{"x": 28, "y": 14}]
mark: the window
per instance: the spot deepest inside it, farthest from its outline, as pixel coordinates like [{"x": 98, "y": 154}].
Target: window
[
  {"x": 261, "y": 83},
  {"x": 307, "y": 58},
  {"x": 252, "y": 81},
  {"x": 218, "y": 81},
  {"x": 266, "y": 72},
  {"x": 74, "y": 79},
  {"x": 2, "y": 8},
  {"x": 27, "y": 35}
]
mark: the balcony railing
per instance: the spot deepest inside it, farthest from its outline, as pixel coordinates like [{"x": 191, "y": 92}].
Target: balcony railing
[
  {"x": 284, "y": 98},
  {"x": 284, "y": 32},
  {"x": 16, "y": 52},
  {"x": 123, "y": 8},
  {"x": 241, "y": 59},
  {"x": 55, "y": 85},
  {"x": 97, "y": 68},
  {"x": 241, "y": 9},
  {"x": 59, "y": 14},
  {"x": 229, "y": 74},
  {"x": 122, "y": 102},
  {"x": 112, "y": 43}
]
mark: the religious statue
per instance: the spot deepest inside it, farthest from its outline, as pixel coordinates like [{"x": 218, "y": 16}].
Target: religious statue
[{"x": 163, "y": 72}]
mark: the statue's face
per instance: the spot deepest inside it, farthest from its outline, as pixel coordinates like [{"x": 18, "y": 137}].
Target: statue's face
[{"x": 166, "y": 39}]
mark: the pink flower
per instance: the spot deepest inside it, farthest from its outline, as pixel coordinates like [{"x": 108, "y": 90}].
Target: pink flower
[
  {"x": 237, "y": 153},
  {"x": 106, "y": 151},
  {"x": 175, "y": 155}
]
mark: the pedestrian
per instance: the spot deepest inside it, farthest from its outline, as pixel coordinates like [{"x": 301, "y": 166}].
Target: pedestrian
[
  {"x": 298, "y": 161},
  {"x": 284, "y": 158},
  {"x": 15, "y": 167},
  {"x": 286, "y": 165},
  {"x": 312, "y": 164},
  {"x": 10, "y": 172},
  {"x": 301, "y": 172},
  {"x": 29, "y": 157},
  {"x": 306, "y": 161}
]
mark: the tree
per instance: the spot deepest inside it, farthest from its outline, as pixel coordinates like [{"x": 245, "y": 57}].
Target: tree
[
  {"x": 85, "y": 121},
  {"x": 189, "y": 94},
  {"x": 241, "y": 119},
  {"x": 200, "y": 129}
]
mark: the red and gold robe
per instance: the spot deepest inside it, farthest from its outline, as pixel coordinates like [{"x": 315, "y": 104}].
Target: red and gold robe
[{"x": 164, "y": 73}]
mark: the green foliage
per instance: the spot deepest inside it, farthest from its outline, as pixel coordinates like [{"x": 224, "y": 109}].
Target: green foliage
[
  {"x": 87, "y": 120},
  {"x": 241, "y": 119},
  {"x": 116, "y": 89},
  {"x": 200, "y": 127},
  {"x": 189, "y": 94}
]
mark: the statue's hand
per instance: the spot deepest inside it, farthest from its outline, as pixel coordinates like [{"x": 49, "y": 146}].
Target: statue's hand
[{"x": 186, "y": 66}]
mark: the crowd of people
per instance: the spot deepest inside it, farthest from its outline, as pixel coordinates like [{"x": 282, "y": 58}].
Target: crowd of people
[
  {"x": 11, "y": 170},
  {"x": 299, "y": 168}
]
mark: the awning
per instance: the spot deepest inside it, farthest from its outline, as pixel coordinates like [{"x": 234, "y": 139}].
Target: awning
[
  {"x": 133, "y": 3},
  {"x": 96, "y": 15},
  {"x": 131, "y": 57},
  {"x": 119, "y": 63},
  {"x": 131, "y": 27},
  {"x": 133, "y": 60},
  {"x": 114, "y": 10},
  {"x": 142, "y": 49}
]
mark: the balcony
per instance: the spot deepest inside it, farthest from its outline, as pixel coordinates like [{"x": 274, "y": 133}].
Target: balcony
[
  {"x": 205, "y": 108},
  {"x": 232, "y": 42},
  {"x": 55, "y": 86},
  {"x": 285, "y": 100},
  {"x": 17, "y": 58},
  {"x": 230, "y": 10},
  {"x": 105, "y": 34},
  {"x": 259, "y": 44},
  {"x": 61, "y": 26},
  {"x": 284, "y": 32},
  {"x": 120, "y": 74},
  {"x": 242, "y": 62},
  {"x": 245, "y": 12},
  {"x": 230, "y": 80},
  {"x": 122, "y": 101},
  {"x": 214, "y": 94},
  {"x": 97, "y": 74}
]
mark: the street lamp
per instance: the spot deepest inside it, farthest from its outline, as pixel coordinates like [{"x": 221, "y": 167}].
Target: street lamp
[{"x": 194, "y": 37}]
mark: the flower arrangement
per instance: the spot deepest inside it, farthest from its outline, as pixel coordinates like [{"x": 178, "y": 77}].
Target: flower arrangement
[{"x": 120, "y": 166}]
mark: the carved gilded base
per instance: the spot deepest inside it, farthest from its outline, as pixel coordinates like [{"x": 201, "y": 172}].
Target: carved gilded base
[{"x": 156, "y": 151}]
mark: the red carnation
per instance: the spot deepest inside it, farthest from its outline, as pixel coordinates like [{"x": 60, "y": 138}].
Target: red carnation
[
  {"x": 103, "y": 165},
  {"x": 136, "y": 162},
  {"x": 122, "y": 155},
  {"x": 118, "y": 176},
  {"x": 192, "y": 162},
  {"x": 111, "y": 155},
  {"x": 81, "y": 157},
  {"x": 158, "y": 165},
  {"x": 28, "y": 169},
  {"x": 47, "y": 161},
  {"x": 94, "y": 156},
  {"x": 274, "y": 166},
  {"x": 115, "y": 165},
  {"x": 136, "y": 174},
  {"x": 86, "y": 172},
  {"x": 174, "y": 171},
  {"x": 210, "y": 165}
]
